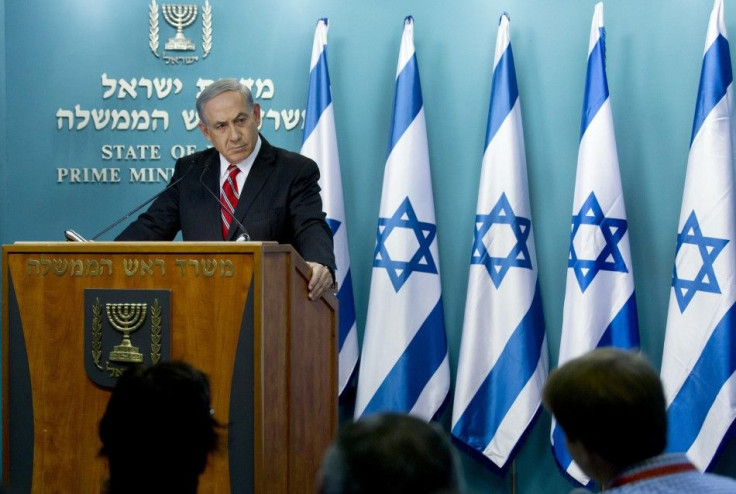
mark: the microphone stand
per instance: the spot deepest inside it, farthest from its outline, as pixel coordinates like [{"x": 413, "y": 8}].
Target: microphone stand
[{"x": 72, "y": 236}]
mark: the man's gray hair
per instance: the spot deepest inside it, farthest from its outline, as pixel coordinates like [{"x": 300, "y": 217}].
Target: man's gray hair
[{"x": 219, "y": 87}]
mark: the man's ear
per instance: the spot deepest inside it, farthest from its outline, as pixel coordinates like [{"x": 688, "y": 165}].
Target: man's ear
[
  {"x": 257, "y": 114},
  {"x": 205, "y": 131}
]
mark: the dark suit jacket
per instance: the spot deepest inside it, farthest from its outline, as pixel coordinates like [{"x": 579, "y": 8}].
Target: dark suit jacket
[{"x": 280, "y": 201}]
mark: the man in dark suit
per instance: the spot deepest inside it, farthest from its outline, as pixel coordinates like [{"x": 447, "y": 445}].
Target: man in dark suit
[{"x": 270, "y": 192}]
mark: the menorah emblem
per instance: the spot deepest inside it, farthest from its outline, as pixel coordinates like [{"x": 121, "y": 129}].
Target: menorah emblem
[
  {"x": 179, "y": 16},
  {"x": 126, "y": 318}
]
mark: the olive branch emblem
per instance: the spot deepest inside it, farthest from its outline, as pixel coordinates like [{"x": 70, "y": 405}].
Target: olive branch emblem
[
  {"x": 97, "y": 333},
  {"x": 155, "y": 332},
  {"x": 206, "y": 28},
  {"x": 153, "y": 27}
]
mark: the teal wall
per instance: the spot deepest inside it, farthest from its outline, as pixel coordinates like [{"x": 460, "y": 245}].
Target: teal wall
[
  {"x": 3, "y": 111},
  {"x": 56, "y": 52}
]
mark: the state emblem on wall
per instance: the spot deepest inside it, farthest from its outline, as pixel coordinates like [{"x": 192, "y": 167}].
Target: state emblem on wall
[{"x": 179, "y": 48}]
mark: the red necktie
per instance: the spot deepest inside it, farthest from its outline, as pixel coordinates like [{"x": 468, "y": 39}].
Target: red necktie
[{"x": 229, "y": 199}]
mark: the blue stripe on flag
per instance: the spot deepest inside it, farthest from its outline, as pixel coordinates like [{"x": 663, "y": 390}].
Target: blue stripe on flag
[
  {"x": 513, "y": 369},
  {"x": 347, "y": 308},
  {"x": 715, "y": 365},
  {"x": 504, "y": 93},
  {"x": 407, "y": 100},
  {"x": 560, "y": 447},
  {"x": 319, "y": 96},
  {"x": 623, "y": 331},
  {"x": 596, "y": 84},
  {"x": 715, "y": 77},
  {"x": 416, "y": 366}
]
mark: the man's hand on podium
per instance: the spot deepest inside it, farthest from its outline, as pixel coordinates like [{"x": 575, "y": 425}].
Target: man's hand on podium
[{"x": 320, "y": 280}]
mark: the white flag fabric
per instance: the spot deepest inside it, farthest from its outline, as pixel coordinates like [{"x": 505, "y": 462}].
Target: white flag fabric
[
  {"x": 600, "y": 305},
  {"x": 320, "y": 144},
  {"x": 404, "y": 364},
  {"x": 503, "y": 354},
  {"x": 699, "y": 359}
]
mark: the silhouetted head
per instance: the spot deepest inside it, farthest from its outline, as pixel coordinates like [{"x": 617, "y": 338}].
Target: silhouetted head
[
  {"x": 158, "y": 429},
  {"x": 390, "y": 453},
  {"x": 611, "y": 402}
]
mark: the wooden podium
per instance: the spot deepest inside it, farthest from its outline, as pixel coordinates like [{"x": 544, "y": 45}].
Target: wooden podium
[{"x": 238, "y": 311}]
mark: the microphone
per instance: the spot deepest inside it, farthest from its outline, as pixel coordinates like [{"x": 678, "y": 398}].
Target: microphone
[
  {"x": 72, "y": 236},
  {"x": 244, "y": 236}
]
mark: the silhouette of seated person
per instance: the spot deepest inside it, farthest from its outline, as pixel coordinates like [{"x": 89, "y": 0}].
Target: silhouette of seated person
[
  {"x": 158, "y": 430},
  {"x": 610, "y": 403},
  {"x": 390, "y": 453}
]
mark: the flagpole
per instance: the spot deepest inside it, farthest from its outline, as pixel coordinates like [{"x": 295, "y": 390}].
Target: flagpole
[{"x": 513, "y": 476}]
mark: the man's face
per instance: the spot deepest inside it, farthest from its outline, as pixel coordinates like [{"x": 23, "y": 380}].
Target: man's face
[{"x": 231, "y": 127}]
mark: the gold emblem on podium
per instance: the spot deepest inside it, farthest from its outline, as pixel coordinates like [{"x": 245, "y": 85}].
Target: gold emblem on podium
[
  {"x": 126, "y": 318},
  {"x": 124, "y": 328}
]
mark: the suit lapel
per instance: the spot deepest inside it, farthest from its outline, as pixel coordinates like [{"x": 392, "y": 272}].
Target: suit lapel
[
  {"x": 211, "y": 206},
  {"x": 262, "y": 168}
]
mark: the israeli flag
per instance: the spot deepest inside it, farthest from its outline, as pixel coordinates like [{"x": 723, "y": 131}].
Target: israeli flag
[
  {"x": 320, "y": 144},
  {"x": 503, "y": 354},
  {"x": 600, "y": 306},
  {"x": 699, "y": 359},
  {"x": 404, "y": 365}
]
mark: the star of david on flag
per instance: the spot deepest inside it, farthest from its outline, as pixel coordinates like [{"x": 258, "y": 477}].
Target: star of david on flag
[
  {"x": 600, "y": 303},
  {"x": 320, "y": 144},
  {"x": 699, "y": 356},
  {"x": 420, "y": 260},
  {"x": 609, "y": 258},
  {"x": 503, "y": 352},
  {"x": 404, "y": 363},
  {"x": 334, "y": 225},
  {"x": 708, "y": 248},
  {"x": 518, "y": 256}
]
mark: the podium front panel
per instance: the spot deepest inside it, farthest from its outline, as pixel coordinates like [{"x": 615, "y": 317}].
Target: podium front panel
[{"x": 220, "y": 294}]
